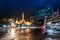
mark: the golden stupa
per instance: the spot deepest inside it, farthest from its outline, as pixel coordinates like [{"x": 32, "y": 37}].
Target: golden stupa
[{"x": 23, "y": 21}]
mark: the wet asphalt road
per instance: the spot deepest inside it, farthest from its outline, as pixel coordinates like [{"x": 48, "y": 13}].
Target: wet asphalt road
[{"x": 30, "y": 36}]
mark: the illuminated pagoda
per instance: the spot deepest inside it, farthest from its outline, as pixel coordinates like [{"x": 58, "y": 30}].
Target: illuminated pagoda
[{"x": 23, "y": 21}]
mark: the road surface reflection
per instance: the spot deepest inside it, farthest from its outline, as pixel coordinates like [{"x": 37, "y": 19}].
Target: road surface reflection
[{"x": 30, "y": 36}]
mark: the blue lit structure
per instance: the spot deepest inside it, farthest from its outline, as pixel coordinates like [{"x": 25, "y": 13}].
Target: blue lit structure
[{"x": 44, "y": 12}]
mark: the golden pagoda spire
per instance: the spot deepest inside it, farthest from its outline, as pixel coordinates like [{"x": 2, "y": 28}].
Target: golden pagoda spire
[
  {"x": 22, "y": 15},
  {"x": 23, "y": 20},
  {"x": 17, "y": 21}
]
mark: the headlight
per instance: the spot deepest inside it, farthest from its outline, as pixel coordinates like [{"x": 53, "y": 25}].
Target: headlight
[
  {"x": 27, "y": 30},
  {"x": 12, "y": 31},
  {"x": 50, "y": 31}
]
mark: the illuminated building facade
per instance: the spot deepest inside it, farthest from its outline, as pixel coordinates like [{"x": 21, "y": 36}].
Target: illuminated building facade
[{"x": 23, "y": 21}]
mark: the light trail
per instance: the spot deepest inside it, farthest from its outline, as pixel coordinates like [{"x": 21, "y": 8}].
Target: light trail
[{"x": 29, "y": 27}]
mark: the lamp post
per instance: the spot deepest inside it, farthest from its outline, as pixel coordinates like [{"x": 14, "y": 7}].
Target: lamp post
[{"x": 45, "y": 18}]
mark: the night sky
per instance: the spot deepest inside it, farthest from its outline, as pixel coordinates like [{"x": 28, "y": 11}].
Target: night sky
[{"x": 14, "y": 8}]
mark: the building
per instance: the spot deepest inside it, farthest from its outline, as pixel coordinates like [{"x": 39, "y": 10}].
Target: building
[
  {"x": 23, "y": 21},
  {"x": 55, "y": 17},
  {"x": 53, "y": 24}
]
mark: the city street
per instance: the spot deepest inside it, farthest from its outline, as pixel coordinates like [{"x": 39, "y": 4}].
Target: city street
[{"x": 29, "y": 19}]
